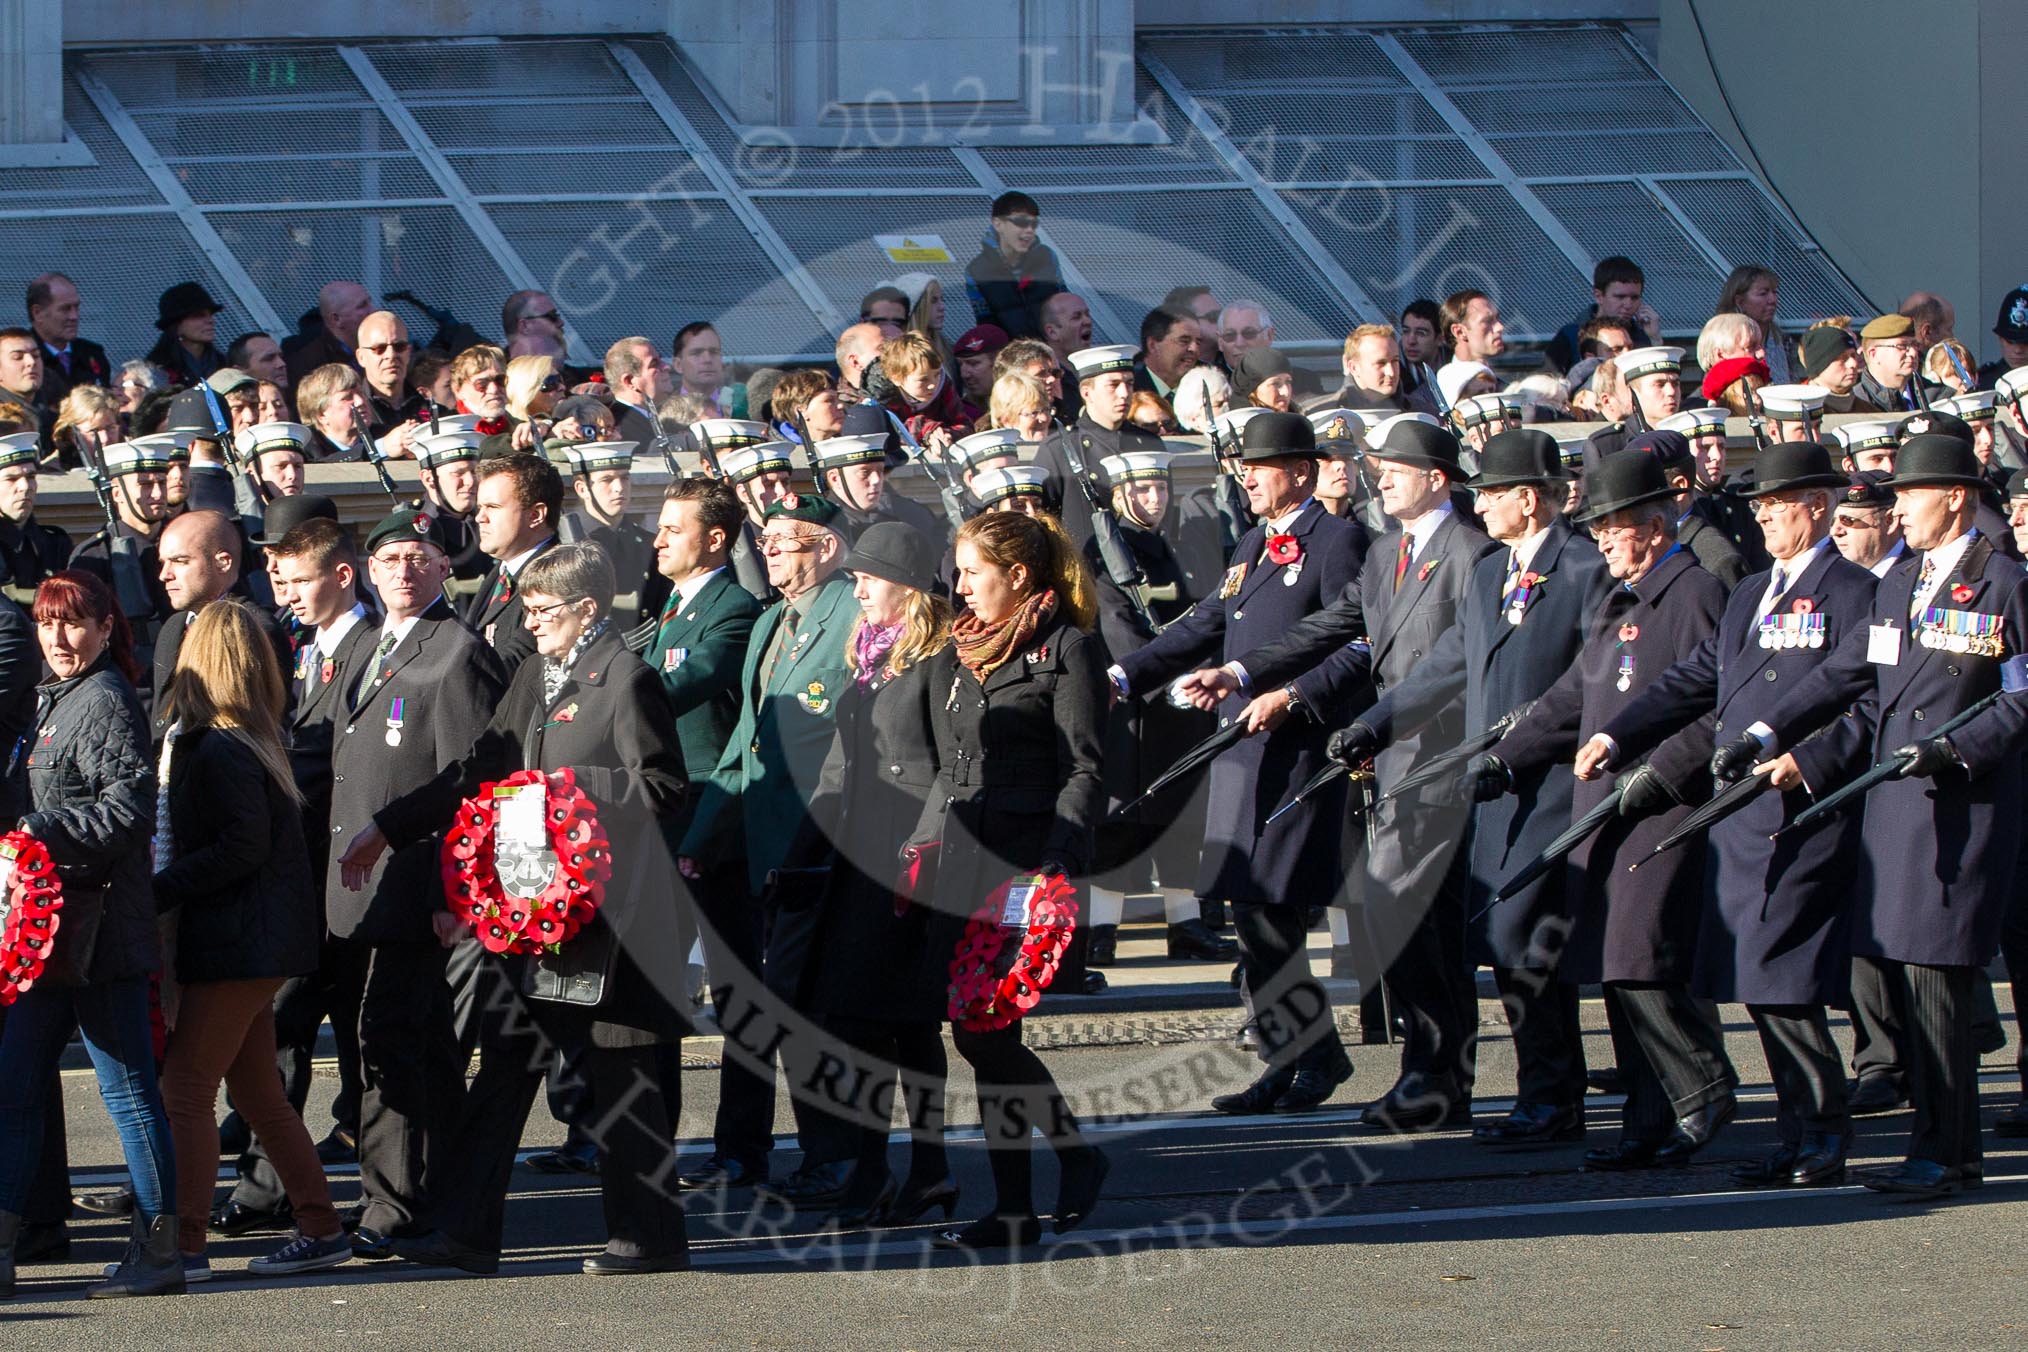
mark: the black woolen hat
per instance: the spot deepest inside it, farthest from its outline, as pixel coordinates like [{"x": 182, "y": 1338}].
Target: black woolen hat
[{"x": 895, "y": 551}]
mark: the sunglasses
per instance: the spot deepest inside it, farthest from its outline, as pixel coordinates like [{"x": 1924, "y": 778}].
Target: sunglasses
[{"x": 382, "y": 349}]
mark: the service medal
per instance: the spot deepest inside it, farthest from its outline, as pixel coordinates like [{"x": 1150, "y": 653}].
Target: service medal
[{"x": 394, "y": 721}]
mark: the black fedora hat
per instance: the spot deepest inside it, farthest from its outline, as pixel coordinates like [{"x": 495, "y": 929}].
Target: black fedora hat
[
  {"x": 285, "y": 514},
  {"x": 1625, "y": 479},
  {"x": 1929, "y": 458},
  {"x": 1271, "y": 436},
  {"x": 895, "y": 551},
  {"x": 181, "y": 301},
  {"x": 1523, "y": 455},
  {"x": 1409, "y": 442},
  {"x": 1793, "y": 464}
]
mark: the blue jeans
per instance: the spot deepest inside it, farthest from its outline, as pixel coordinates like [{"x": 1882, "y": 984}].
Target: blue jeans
[{"x": 113, "y": 1019}]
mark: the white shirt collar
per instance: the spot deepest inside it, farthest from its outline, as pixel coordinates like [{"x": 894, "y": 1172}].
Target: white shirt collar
[
  {"x": 1280, "y": 525},
  {"x": 333, "y": 634},
  {"x": 1530, "y": 547},
  {"x": 1425, "y": 526},
  {"x": 1945, "y": 559},
  {"x": 512, "y": 567},
  {"x": 687, "y": 592},
  {"x": 1885, "y": 563},
  {"x": 1788, "y": 572},
  {"x": 398, "y": 628}
]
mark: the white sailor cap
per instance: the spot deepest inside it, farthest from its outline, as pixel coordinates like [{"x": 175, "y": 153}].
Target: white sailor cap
[
  {"x": 587, "y": 457},
  {"x": 1866, "y": 436},
  {"x": 448, "y": 423},
  {"x": 1128, "y": 466},
  {"x": 742, "y": 463},
  {"x": 999, "y": 441},
  {"x": 1696, "y": 422},
  {"x": 1647, "y": 361},
  {"x": 2013, "y": 385},
  {"x": 724, "y": 432},
  {"x": 865, "y": 449},
  {"x": 1792, "y": 403},
  {"x": 1377, "y": 433},
  {"x": 174, "y": 445},
  {"x": 20, "y": 448},
  {"x": 997, "y": 485},
  {"x": 1977, "y": 407},
  {"x": 1233, "y": 421},
  {"x": 1484, "y": 408},
  {"x": 132, "y": 457},
  {"x": 447, "y": 447},
  {"x": 261, "y": 438},
  {"x": 1096, "y": 361}
]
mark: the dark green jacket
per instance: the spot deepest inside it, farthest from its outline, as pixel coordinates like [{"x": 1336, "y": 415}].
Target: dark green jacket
[{"x": 698, "y": 653}]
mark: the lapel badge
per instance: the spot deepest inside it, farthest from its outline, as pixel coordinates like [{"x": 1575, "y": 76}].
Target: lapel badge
[
  {"x": 812, "y": 698},
  {"x": 1961, "y": 593},
  {"x": 326, "y": 672},
  {"x": 1039, "y": 655}
]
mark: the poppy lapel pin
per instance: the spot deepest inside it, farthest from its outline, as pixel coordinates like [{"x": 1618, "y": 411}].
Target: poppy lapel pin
[
  {"x": 1961, "y": 593},
  {"x": 1629, "y": 632}
]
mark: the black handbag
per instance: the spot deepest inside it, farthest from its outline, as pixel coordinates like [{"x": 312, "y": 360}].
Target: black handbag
[
  {"x": 77, "y": 937},
  {"x": 577, "y": 973}
]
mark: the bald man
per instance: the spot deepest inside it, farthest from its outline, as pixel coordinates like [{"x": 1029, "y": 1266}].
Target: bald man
[
  {"x": 341, "y": 306},
  {"x": 200, "y": 557},
  {"x": 383, "y": 353},
  {"x": 858, "y": 347}
]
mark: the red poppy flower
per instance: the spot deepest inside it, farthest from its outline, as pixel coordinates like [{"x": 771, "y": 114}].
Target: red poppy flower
[
  {"x": 1422, "y": 573},
  {"x": 1284, "y": 549},
  {"x": 1629, "y": 632},
  {"x": 1531, "y": 580},
  {"x": 1803, "y": 605},
  {"x": 1961, "y": 593}
]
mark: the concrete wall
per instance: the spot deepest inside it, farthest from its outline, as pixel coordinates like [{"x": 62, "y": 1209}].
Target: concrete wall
[
  {"x": 1890, "y": 128},
  {"x": 31, "y": 72}
]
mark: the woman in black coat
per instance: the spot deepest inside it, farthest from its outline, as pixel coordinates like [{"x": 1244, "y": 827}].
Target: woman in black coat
[
  {"x": 91, "y": 793},
  {"x": 234, "y": 872},
  {"x": 871, "y": 988},
  {"x": 582, "y": 702},
  {"x": 1018, "y": 704}
]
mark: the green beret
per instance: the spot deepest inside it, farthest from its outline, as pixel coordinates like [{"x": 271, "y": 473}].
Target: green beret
[
  {"x": 408, "y": 524},
  {"x": 810, "y": 507}
]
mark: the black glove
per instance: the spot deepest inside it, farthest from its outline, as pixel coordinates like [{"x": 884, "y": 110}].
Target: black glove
[
  {"x": 1925, "y": 760},
  {"x": 1486, "y": 778},
  {"x": 1731, "y": 761},
  {"x": 1643, "y": 793},
  {"x": 1352, "y": 746}
]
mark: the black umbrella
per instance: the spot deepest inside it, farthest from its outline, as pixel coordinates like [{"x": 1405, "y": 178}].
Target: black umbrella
[
  {"x": 1454, "y": 760},
  {"x": 1723, "y": 805},
  {"x": 1330, "y": 774},
  {"x": 1194, "y": 759},
  {"x": 1581, "y": 830},
  {"x": 1890, "y": 768}
]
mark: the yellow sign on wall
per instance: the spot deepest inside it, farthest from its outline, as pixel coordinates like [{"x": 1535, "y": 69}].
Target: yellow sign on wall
[{"x": 914, "y": 248}]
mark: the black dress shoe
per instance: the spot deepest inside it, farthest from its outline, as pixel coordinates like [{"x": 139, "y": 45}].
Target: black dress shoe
[
  {"x": 1821, "y": 1160},
  {"x": 1258, "y": 1097},
  {"x": 1094, "y": 983},
  {"x": 119, "y": 1202},
  {"x": 236, "y": 1218},
  {"x": 993, "y": 1232},
  {"x": 339, "y": 1146},
  {"x": 437, "y": 1249},
  {"x": 1874, "y": 1095},
  {"x": 42, "y": 1242},
  {"x": 720, "y": 1171},
  {"x": 1605, "y": 1080},
  {"x": 1694, "y": 1131},
  {"x": 1622, "y": 1155},
  {"x": 1105, "y": 946},
  {"x": 918, "y": 1198},
  {"x": 813, "y": 1184},
  {"x": 2013, "y": 1122},
  {"x": 859, "y": 1210},
  {"x": 1314, "y": 1085},
  {"x": 1917, "y": 1178},
  {"x": 1192, "y": 940},
  {"x": 1773, "y": 1172},
  {"x": 1534, "y": 1124},
  {"x": 610, "y": 1264},
  {"x": 371, "y": 1244},
  {"x": 1417, "y": 1103},
  {"x": 1084, "y": 1177},
  {"x": 570, "y": 1158}
]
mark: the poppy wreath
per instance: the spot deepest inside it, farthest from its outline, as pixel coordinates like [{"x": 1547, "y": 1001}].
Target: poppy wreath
[
  {"x": 584, "y": 863},
  {"x": 34, "y": 900},
  {"x": 987, "y": 990}
]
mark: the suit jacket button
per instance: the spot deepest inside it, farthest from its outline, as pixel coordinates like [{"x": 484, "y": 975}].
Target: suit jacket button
[
  {"x": 1918, "y": 715},
  {"x": 1238, "y": 614},
  {"x": 894, "y": 769},
  {"x": 1952, "y": 670},
  {"x": 337, "y": 779},
  {"x": 1771, "y": 676}
]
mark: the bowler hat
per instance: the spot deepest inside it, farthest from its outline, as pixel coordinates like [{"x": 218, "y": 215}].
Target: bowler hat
[
  {"x": 1625, "y": 479},
  {"x": 285, "y": 514},
  {"x": 895, "y": 551},
  {"x": 1407, "y": 441},
  {"x": 1524, "y": 455},
  {"x": 181, "y": 301},
  {"x": 1272, "y": 435},
  {"x": 1929, "y": 458},
  {"x": 1793, "y": 464}
]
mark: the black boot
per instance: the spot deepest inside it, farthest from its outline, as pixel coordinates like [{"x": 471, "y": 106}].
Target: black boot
[
  {"x": 1191, "y": 940},
  {"x": 152, "y": 1267},
  {"x": 10, "y": 1227},
  {"x": 1105, "y": 941},
  {"x": 1213, "y": 914}
]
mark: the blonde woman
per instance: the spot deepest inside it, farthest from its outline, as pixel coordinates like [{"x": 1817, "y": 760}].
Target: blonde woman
[
  {"x": 88, "y": 411},
  {"x": 232, "y": 871},
  {"x": 1021, "y": 402}
]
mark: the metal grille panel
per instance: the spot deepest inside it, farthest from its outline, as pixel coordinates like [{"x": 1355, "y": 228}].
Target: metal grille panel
[
  {"x": 1185, "y": 159},
  {"x": 1616, "y": 218},
  {"x": 366, "y": 179},
  {"x": 833, "y": 236},
  {"x": 185, "y": 132},
  {"x": 1737, "y": 220},
  {"x": 620, "y": 173},
  {"x": 501, "y": 69},
  {"x": 1464, "y": 58},
  {"x": 162, "y": 78},
  {"x": 1626, "y": 153},
  {"x": 114, "y": 181},
  {"x": 490, "y": 126}
]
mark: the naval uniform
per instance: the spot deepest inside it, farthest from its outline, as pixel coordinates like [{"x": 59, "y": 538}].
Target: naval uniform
[
  {"x": 1075, "y": 451},
  {"x": 638, "y": 590},
  {"x": 30, "y": 552}
]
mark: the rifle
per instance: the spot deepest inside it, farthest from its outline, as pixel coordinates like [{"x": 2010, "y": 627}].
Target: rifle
[
  {"x": 92, "y": 450},
  {"x": 947, "y": 485},
  {"x": 228, "y": 447},
  {"x": 1891, "y": 768},
  {"x": 1227, "y": 494},
  {"x": 707, "y": 450},
  {"x": 1114, "y": 555},
  {"x": 1756, "y": 418},
  {"x": 369, "y": 451},
  {"x": 801, "y": 427}
]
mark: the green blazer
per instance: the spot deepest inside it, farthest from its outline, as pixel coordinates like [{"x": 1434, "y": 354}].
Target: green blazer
[
  {"x": 698, "y": 652},
  {"x": 756, "y": 797}
]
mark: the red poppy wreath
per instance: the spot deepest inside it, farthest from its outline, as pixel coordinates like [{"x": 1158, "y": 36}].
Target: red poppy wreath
[
  {"x": 987, "y": 991},
  {"x": 527, "y": 913},
  {"x": 29, "y": 913}
]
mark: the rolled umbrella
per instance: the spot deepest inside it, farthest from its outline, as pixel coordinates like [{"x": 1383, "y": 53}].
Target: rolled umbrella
[
  {"x": 1581, "y": 830},
  {"x": 1330, "y": 774},
  {"x": 1452, "y": 761},
  {"x": 1890, "y": 768},
  {"x": 1722, "y": 805},
  {"x": 1189, "y": 762}
]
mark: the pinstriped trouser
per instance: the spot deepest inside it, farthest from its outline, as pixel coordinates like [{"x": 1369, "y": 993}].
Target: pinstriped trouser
[
  {"x": 1934, "y": 1005},
  {"x": 1671, "y": 1053}
]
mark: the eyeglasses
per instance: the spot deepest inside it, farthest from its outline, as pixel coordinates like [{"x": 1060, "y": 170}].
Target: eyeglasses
[
  {"x": 542, "y": 614},
  {"x": 1247, "y": 334},
  {"x": 403, "y": 346},
  {"x": 485, "y": 382},
  {"x": 1873, "y": 520},
  {"x": 1773, "y": 507},
  {"x": 551, "y": 384},
  {"x": 787, "y": 544},
  {"x": 406, "y": 563},
  {"x": 1894, "y": 347}
]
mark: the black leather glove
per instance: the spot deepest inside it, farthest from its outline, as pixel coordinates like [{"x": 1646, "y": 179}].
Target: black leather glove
[
  {"x": 1486, "y": 778},
  {"x": 1643, "y": 793},
  {"x": 1926, "y": 760},
  {"x": 1352, "y": 746},
  {"x": 1731, "y": 761}
]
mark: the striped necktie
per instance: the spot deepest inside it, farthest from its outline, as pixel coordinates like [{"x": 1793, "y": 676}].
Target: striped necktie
[{"x": 1401, "y": 560}]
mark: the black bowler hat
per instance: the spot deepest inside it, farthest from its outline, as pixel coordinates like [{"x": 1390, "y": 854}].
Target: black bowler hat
[
  {"x": 1934, "y": 422},
  {"x": 1410, "y": 442},
  {"x": 285, "y": 514},
  {"x": 1671, "y": 450},
  {"x": 900, "y": 553},
  {"x": 1524, "y": 455},
  {"x": 1793, "y": 464},
  {"x": 1931, "y": 458},
  {"x": 1272, "y": 435},
  {"x": 180, "y": 302},
  {"x": 1625, "y": 479}
]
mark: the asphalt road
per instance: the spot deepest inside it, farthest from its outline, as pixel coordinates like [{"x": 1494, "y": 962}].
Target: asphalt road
[{"x": 1298, "y": 1231}]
